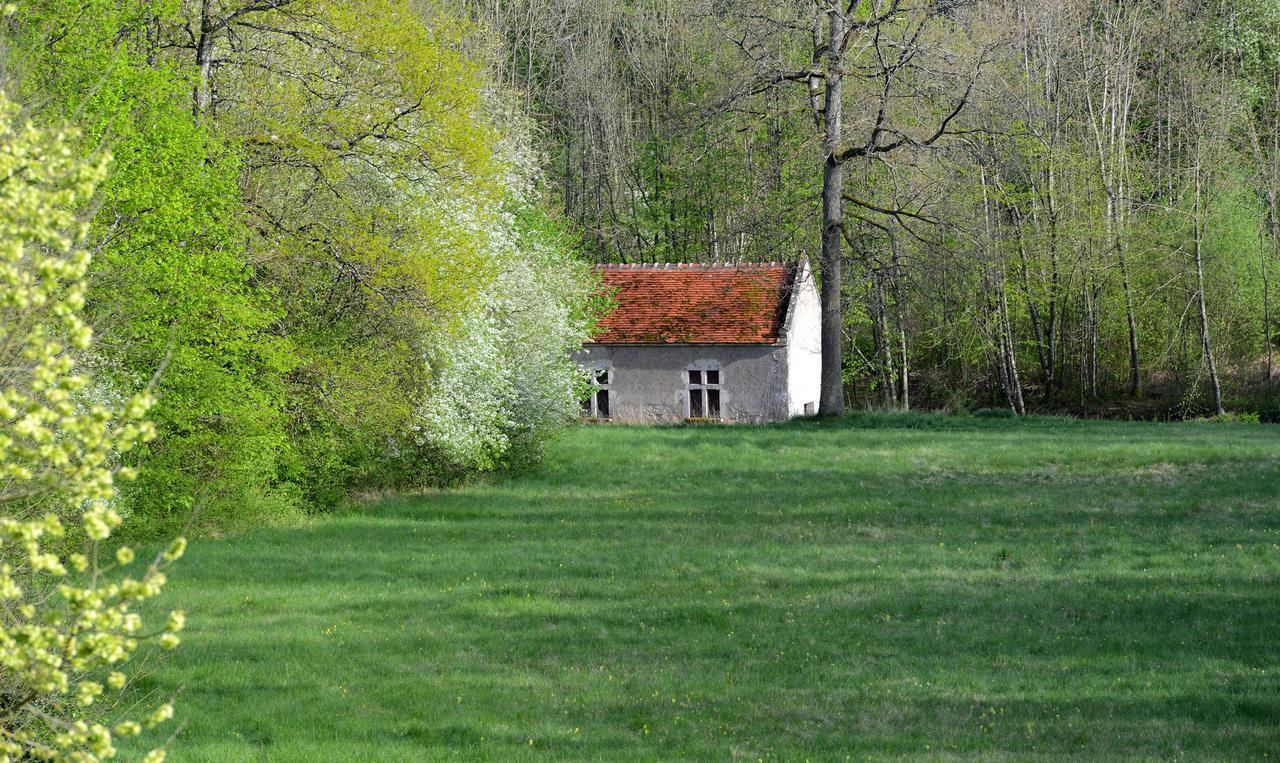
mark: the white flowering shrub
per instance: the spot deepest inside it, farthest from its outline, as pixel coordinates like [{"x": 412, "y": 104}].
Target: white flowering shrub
[
  {"x": 67, "y": 619},
  {"x": 460, "y": 423},
  {"x": 503, "y": 378},
  {"x": 543, "y": 320}
]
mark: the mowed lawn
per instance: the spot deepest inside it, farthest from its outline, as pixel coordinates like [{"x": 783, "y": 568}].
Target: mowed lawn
[{"x": 877, "y": 587}]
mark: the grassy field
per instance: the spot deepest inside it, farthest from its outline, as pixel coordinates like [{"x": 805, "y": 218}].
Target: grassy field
[{"x": 880, "y": 587}]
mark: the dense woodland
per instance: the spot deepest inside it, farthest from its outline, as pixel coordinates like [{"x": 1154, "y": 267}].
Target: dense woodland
[{"x": 1066, "y": 206}]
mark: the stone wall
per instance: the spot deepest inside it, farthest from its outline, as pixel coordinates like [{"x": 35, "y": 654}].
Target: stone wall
[{"x": 649, "y": 384}]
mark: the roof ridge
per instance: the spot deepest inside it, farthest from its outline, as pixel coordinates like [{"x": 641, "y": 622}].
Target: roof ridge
[{"x": 689, "y": 265}]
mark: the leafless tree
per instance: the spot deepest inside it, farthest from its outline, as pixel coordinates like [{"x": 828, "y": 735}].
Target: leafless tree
[{"x": 899, "y": 62}]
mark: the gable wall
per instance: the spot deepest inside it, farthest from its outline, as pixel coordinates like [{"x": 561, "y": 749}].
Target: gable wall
[
  {"x": 650, "y": 382},
  {"x": 803, "y": 337}
]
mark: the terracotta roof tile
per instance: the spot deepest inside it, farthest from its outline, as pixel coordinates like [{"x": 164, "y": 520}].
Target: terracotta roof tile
[{"x": 695, "y": 304}]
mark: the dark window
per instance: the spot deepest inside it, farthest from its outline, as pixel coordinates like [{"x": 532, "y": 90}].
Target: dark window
[
  {"x": 704, "y": 393},
  {"x": 596, "y": 406}
]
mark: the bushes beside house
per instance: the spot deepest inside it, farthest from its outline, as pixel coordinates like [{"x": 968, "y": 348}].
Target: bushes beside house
[{"x": 335, "y": 246}]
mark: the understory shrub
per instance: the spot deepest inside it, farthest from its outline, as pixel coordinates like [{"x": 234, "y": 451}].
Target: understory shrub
[
  {"x": 1235, "y": 418},
  {"x": 993, "y": 413}
]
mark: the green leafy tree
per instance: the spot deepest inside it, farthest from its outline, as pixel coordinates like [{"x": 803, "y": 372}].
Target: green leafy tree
[
  {"x": 313, "y": 205},
  {"x": 67, "y": 620},
  {"x": 169, "y": 278},
  {"x": 376, "y": 189}
]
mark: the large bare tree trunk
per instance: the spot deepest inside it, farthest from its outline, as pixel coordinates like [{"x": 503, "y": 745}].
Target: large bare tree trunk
[
  {"x": 889, "y": 35},
  {"x": 831, "y": 402}
]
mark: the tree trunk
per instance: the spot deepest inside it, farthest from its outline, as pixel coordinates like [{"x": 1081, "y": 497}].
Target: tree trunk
[
  {"x": 998, "y": 305},
  {"x": 1116, "y": 242},
  {"x": 1043, "y": 351},
  {"x": 201, "y": 94},
  {"x": 1089, "y": 340},
  {"x": 1085, "y": 312},
  {"x": 831, "y": 402},
  {"x": 905, "y": 398},
  {"x": 900, "y": 317},
  {"x": 888, "y": 372},
  {"x": 1109, "y": 112},
  {"x": 1273, "y": 208},
  {"x": 1015, "y": 381},
  {"x": 879, "y": 338},
  {"x": 1266, "y": 294},
  {"x": 1135, "y": 368},
  {"x": 1267, "y": 178},
  {"x": 1215, "y": 388}
]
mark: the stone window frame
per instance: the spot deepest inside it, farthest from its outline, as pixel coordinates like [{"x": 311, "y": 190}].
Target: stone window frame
[
  {"x": 591, "y": 406},
  {"x": 704, "y": 398}
]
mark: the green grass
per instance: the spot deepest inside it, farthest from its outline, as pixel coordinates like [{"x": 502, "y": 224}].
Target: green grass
[{"x": 881, "y": 587}]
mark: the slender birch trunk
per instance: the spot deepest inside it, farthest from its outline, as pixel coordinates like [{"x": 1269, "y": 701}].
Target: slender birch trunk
[{"x": 1198, "y": 221}]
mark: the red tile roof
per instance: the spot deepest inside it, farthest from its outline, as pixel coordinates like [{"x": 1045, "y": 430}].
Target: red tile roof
[{"x": 695, "y": 304}]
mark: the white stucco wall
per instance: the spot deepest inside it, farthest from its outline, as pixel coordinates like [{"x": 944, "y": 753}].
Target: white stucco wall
[
  {"x": 650, "y": 382},
  {"x": 802, "y": 334}
]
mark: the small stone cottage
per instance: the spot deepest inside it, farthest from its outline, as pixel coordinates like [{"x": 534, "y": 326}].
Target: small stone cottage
[{"x": 734, "y": 343}]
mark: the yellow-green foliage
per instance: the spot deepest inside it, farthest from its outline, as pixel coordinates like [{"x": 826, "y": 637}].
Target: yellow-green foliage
[
  {"x": 372, "y": 192},
  {"x": 364, "y": 150},
  {"x": 305, "y": 249},
  {"x": 66, "y": 618}
]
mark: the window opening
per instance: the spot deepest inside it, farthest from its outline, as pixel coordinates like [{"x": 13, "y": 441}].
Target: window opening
[
  {"x": 596, "y": 406},
  {"x": 704, "y": 393}
]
